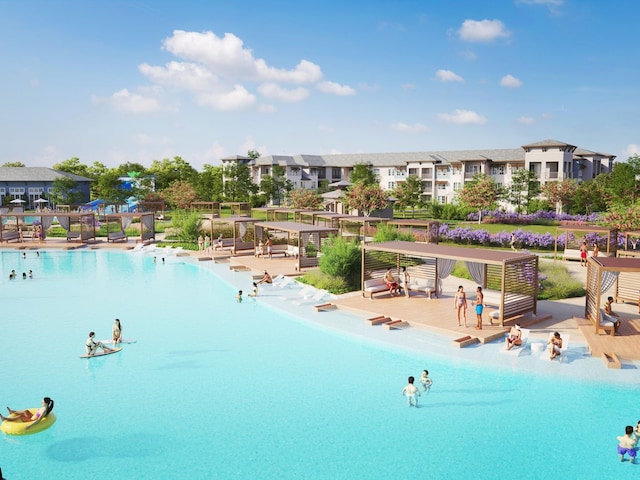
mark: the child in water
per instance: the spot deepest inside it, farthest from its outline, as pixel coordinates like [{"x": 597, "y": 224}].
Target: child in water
[
  {"x": 239, "y": 296},
  {"x": 410, "y": 391},
  {"x": 425, "y": 381}
]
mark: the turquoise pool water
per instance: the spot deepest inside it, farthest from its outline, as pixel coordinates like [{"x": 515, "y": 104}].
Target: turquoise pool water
[{"x": 217, "y": 389}]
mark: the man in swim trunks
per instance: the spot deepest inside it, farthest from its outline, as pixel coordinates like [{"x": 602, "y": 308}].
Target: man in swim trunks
[
  {"x": 266, "y": 279},
  {"x": 627, "y": 445},
  {"x": 479, "y": 307},
  {"x": 391, "y": 282},
  {"x": 583, "y": 254},
  {"x": 92, "y": 346}
]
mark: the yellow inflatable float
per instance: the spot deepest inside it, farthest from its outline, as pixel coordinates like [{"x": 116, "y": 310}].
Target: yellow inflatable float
[{"x": 33, "y": 424}]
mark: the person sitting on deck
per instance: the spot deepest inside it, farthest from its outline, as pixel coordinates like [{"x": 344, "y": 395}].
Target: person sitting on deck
[
  {"x": 555, "y": 345},
  {"x": 92, "y": 346},
  {"x": 514, "y": 338},
  {"x": 391, "y": 282},
  {"x": 219, "y": 244},
  {"x": 613, "y": 317}
]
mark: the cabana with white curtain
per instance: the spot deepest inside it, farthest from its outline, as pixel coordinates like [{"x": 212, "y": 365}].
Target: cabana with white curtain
[
  {"x": 602, "y": 274},
  {"x": 509, "y": 279},
  {"x": 79, "y": 226},
  {"x": 122, "y": 221}
]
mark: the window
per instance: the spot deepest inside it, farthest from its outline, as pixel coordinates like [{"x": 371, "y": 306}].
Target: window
[
  {"x": 391, "y": 185},
  {"x": 457, "y": 186},
  {"x": 36, "y": 190},
  {"x": 322, "y": 173},
  {"x": 456, "y": 170},
  {"x": 2, "y": 191},
  {"x": 16, "y": 191},
  {"x": 376, "y": 172},
  {"x": 335, "y": 172},
  {"x": 413, "y": 171},
  {"x": 442, "y": 186},
  {"x": 442, "y": 199},
  {"x": 497, "y": 170},
  {"x": 313, "y": 172},
  {"x": 295, "y": 171},
  {"x": 264, "y": 171},
  {"x": 427, "y": 172}
]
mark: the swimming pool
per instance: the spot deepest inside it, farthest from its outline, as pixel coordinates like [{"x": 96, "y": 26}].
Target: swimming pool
[{"x": 217, "y": 389}]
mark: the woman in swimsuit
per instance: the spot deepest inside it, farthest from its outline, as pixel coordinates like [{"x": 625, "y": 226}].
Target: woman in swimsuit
[
  {"x": 26, "y": 416},
  {"x": 460, "y": 303},
  {"x": 514, "y": 338},
  {"x": 555, "y": 345},
  {"x": 116, "y": 332}
]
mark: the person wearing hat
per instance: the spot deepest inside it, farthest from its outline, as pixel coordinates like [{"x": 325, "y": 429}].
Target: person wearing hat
[{"x": 515, "y": 337}]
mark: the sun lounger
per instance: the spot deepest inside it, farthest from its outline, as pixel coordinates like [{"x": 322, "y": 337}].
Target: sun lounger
[{"x": 316, "y": 297}]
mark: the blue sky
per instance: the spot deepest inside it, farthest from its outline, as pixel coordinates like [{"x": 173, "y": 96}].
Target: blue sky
[{"x": 118, "y": 81}]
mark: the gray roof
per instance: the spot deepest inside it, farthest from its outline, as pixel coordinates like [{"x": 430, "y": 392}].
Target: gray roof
[
  {"x": 588, "y": 153},
  {"x": 549, "y": 143},
  {"x": 36, "y": 174}
]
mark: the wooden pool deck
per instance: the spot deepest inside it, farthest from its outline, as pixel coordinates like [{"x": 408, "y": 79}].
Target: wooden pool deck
[{"x": 625, "y": 345}]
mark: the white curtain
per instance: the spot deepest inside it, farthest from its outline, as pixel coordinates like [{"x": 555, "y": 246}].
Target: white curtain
[
  {"x": 242, "y": 228},
  {"x": 445, "y": 267},
  {"x": 64, "y": 222},
  {"x": 46, "y": 222},
  {"x": 477, "y": 271},
  {"x": 608, "y": 279},
  {"x": 147, "y": 221},
  {"x": 125, "y": 222}
]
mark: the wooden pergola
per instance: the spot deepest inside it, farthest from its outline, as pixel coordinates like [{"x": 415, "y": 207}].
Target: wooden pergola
[
  {"x": 264, "y": 210},
  {"x": 206, "y": 207},
  {"x": 123, "y": 220},
  {"x": 430, "y": 227},
  {"x": 602, "y": 274},
  {"x": 329, "y": 219},
  {"x": 240, "y": 209},
  {"x": 310, "y": 216},
  {"x": 510, "y": 276},
  {"x": 241, "y": 232},
  {"x": 352, "y": 226},
  {"x": 635, "y": 250},
  {"x": 79, "y": 225},
  {"x": 300, "y": 235},
  {"x": 145, "y": 206},
  {"x": 610, "y": 233}
]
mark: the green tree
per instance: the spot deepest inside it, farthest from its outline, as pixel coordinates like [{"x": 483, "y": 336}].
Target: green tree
[
  {"x": 65, "y": 191},
  {"x": 590, "y": 197},
  {"x": 209, "y": 184},
  {"x": 363, "y": 173},
  {"x": 624, "y": 218},
  {"x": 110, "y": 188},
  {"x": 365, "y": 198},
  {"x": 125, "y": 169},
  {"x": 238, "y": 185},
  {"x": 172, "y": 170},
  {"x": 409, "y": 194},
  {"x": 73, "y": 165},
  {"x": 187, "y": 224},
  {"x": 302, "y": 198},
  {"x": 253, "y": 154},
  {"x": 275, "y": 186},
  {"x": 13, "y": 164},
  {"x": 622, "y": 184},
  {"x": 523, "y": 188},
  {"x": 481, "y": 193}
]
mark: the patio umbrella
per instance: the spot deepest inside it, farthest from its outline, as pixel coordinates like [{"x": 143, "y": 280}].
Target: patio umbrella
[
  {"x": 17, "y": 200},
  {"x": 41, "y": 200}
]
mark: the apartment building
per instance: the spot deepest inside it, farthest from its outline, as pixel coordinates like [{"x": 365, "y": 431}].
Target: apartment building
[{"x": 443, "y": 173}]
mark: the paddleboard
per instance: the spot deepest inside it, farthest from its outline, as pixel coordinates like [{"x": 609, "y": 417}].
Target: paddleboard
[
  {"x": 126, "y": 340},
  {"x": 101, "y": 353}
]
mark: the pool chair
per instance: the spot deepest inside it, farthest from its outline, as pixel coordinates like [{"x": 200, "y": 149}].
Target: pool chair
[
  {"x": 284, "y": 282},
  {"x": 518, "y": 349},
  {"x": 317, "y": 296},
  {"x": 563, "y": 351}
]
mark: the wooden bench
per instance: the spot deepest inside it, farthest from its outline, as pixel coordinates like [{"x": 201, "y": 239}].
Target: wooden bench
[
  {"x": 606, "y": 324},
  {"x": 117, "y": 237},
  {"x": 226, "y": 242},
  {"x": 73, "y": 236},
  {"x": 279, "y": 249},
  {"x": 374, "y": 285},
  {"x": 571, "y": 254},
  {"x": 8, "y": 235}
]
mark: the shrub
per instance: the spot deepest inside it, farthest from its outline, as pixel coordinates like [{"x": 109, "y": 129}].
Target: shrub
[
  {"x": 389, "y": 233},
  {"x": 557, "y": 283},
  {"x": 318, "y": 279},
  {"x": 342, "y": 259},
  {"x": 188, "y": 226}
]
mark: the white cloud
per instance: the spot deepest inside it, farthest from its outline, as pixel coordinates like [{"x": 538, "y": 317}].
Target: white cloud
[
  {"x": 448, "y": 76},
  {"x": 415, "y": 128},
  {"x": 275, "y": 91},
  {"x": 482, "y": 31},
  {"x": 462, "y": 117},
  {"x": 237, "y": 99},
  {"x": 510, "y": 81},
  {"x": 128, "y": 102},
  {"x": 335, "y": 88},
  {"x": 632, "y": 150},
  {"x": 227, "y": 57},
  {"x": 526, "y": 120},
  {"x": 188, "y": 76},
  {"x": 552, "y": 5}
]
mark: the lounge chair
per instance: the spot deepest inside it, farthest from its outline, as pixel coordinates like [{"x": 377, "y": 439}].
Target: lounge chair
[
  {"x": 316, "y": 297},
  {"x": 518, "y": 349}
]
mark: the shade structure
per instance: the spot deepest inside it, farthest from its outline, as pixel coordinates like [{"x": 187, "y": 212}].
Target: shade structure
[
  {"x": 17, "y": 200},
  {"x": 41, "y": 200}
]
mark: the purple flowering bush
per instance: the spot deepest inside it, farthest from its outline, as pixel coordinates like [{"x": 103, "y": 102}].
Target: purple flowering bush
[{"x": 541, "y": 216}]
